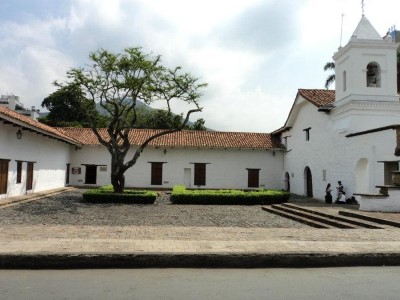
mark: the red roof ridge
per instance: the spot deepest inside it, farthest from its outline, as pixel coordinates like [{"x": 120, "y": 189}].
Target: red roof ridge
[
  {"x": 184, "y": 138},
  {"x": 35, "y": 125}
]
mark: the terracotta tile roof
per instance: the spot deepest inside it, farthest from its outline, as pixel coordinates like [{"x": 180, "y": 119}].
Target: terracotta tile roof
[
  {"x": 27, "y": 122},
  {"x": 184, "y": 138},
  {"x": 318, "y": 97}
]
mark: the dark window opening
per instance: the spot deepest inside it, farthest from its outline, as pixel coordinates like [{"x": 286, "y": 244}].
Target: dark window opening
[
  {"x": 389, "y": 168},
  {"x": 253, "y": 178},
  {"x": 373, "y": 75},
  {"x": 199, "y": 174},
  {"x": 307, "y": 131}
]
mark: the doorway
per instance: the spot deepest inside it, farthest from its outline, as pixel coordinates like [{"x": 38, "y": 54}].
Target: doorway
[
  {"x": 91, "y": 174},
  {"x": 287, "y": 182},
  {"x": 308, "y": 182},
  {"x": 3, "y": 176}
]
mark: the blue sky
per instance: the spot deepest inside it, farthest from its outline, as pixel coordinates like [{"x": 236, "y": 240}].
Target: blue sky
[{"x": 254, "y": 54}]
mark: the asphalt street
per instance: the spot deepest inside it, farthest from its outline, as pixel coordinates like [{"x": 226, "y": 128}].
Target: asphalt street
[{"x": 324, "y": 283}]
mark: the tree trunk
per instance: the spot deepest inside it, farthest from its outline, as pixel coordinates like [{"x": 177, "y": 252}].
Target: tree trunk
[
  {"x": 118, "y": 182},
  {"x": 117, "y": 174}
]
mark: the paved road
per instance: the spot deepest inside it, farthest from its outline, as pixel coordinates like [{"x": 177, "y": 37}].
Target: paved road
[
  {"x": 330, "y": 283},
  {"x": 69, "y": 209}
]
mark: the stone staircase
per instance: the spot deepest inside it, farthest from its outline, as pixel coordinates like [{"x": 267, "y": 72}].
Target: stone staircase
[{"x": 318, "y": 219}]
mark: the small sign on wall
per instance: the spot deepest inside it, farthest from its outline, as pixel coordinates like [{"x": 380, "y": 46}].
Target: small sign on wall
[
  {"x": 76, "y": 170},
  {"x": 103, "y": 168}
]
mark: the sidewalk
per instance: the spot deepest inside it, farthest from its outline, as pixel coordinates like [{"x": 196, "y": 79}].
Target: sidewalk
[
  {"x": 76, "y": 246},
  {"x": 146, "y": 246}
]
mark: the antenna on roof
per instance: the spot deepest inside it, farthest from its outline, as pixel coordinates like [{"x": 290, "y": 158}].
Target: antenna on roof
[
  {"x": 362, "y": 7},
  {"x": 341, "y": 31}
]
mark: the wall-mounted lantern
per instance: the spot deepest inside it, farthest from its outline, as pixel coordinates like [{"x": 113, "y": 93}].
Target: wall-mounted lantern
[
  {"x": 165, "y": 151},
  {"x": 19, "y": 134}
]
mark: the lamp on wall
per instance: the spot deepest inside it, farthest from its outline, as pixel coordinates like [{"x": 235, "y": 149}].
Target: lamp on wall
[
  {"x": 19, "y": 134},
  {"x": 165, "y": 151},
  {"x": 273, "y": 153}
]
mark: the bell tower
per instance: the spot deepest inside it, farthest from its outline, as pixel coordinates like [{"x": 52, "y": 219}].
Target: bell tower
[{"x": 366, "y": 68}]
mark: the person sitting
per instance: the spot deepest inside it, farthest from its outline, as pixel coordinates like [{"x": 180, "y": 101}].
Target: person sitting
[{"x": 341, "y": 199}]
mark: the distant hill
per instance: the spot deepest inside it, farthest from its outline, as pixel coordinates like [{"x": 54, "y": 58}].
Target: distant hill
[{"x": 139, "y": 104}]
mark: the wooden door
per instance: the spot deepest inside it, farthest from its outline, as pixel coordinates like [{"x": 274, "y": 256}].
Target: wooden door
[
  {"x": 253, "y": 178},
  {"x": 156, "y": 173},
  {"x": 3, "y": 176},
  {"x": 29, "y": 176},
  {"x": 199, "y": 174}
]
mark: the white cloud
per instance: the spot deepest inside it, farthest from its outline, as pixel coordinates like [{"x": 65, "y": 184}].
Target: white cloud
[{"x": 254, "y": 54}]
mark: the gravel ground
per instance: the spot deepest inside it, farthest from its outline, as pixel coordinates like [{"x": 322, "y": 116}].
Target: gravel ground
[{"x": 70, "y": 209}]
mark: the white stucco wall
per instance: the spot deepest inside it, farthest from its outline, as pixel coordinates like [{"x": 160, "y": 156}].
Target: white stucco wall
[
  {"x": 226, "y": 168},
  {"x": 50, "y": 157},
  {"x": 329, "y": 151}
]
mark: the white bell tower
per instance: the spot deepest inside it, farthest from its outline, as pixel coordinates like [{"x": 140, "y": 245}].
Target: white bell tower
[{"x": 366, "y": 68}]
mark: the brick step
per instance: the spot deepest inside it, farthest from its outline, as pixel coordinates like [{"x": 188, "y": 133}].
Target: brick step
[
  {"x": 357, "y": 222},
  {"x": 297, "y": 218},
  {"x": 311, "y": 216},
  {"x": 370, "y": 219}
]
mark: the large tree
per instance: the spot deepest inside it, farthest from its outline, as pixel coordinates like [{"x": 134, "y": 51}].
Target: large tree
[
  {"x": 69, "y": 108},
  {"x": 110, "y": 79}
]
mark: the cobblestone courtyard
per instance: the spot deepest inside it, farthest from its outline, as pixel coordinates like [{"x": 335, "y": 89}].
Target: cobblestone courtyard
[{"x": 69, "y": 209}]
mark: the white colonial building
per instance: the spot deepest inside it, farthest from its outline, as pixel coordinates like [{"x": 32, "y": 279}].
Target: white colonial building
[{"x": 348, "y": 134}]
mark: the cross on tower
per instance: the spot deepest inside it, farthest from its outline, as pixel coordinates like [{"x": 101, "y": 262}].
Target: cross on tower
[{"x": 362, "y": 7}]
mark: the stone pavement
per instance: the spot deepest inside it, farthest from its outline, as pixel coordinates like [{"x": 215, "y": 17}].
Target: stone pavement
[{"x": 74, "y": 246}]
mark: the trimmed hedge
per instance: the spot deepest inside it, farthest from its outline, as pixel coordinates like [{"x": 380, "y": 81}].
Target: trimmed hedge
[
  {"x": 105, "y": 194},
  {"x": 180, "y": 195}
]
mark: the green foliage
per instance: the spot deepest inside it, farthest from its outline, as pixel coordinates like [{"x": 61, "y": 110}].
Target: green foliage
[
  {"x": 116, "y": 81},
  {"x": 199, "y": 125},
  {"x": 69, "y": 108},
  {"x": 331, "y": 78},
  {"x": 163, "y": 119},
  {"x": 106, "y": 194},
  {"x": 180, "y": 195}
]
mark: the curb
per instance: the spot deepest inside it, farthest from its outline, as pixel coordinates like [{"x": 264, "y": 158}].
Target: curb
[{"x": 165, "y": 260}]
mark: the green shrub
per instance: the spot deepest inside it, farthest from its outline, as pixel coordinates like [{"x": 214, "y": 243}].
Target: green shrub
[
  {"x": 180, "y": 195},
  {"x": 105, "y": 194}
]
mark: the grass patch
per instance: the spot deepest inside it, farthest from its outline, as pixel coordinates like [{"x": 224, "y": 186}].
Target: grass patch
[
  {"x": 180, "y": 195},
  {"x": 105, "y": 194}
]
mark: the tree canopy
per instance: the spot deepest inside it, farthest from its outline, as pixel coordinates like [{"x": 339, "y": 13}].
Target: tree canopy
[
  {"x": 110, "y": 79},
  {"x": 69, "y": 108}
]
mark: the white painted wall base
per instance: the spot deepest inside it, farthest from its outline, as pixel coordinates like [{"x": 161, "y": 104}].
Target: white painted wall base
[{"x": 390, "y": 203}]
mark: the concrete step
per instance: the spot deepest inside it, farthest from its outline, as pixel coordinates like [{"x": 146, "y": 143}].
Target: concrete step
[
  {"x": 297, "y": 218},
  {"x": 311, "y": 216},
  {"x": 356, "y": 222},
  {"x": 370, "y": 218}
]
